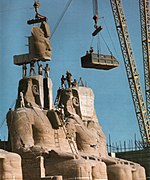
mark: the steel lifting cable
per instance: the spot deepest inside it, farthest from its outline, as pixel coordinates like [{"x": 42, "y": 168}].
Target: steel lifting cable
[
  {"x": 110, "y": 37},
  {"x": 92, "y": 41},
  {"x": 98, "y": 45},
  {"x": 61, "y": 17},
  {"x": 106, "y": 44},
  {"x": 95, "y": 7},
  {"x": 95, "y": 12},
  {"x": 98, "y": 42}
]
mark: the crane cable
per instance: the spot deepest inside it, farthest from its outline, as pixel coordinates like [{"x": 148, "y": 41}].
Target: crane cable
[
  {"x": 105, "y": 43},
  {"x": 59, "y": 20},
  {"x": 98, "y": 40},
  {"x": 98, "y": 45},
  {"x": 110, "y": 37},
  {"x": 96, "y": 17},
  {"x": 95, "y": 7}
]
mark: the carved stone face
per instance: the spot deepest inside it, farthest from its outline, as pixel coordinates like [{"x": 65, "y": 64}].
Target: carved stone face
[
  {"x": 78, "y": 100},
  {"x": 30, "y": 89},
  {"x": 40, "y": 41},
  {"x": 69, "y": 98}
]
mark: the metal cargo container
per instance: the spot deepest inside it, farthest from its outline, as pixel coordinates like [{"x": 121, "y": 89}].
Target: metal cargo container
[{"x": 99, "y": 61}]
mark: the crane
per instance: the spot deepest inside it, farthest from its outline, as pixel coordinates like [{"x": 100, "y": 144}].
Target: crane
[
  {"x": 141, "y": 110},
  {"x": 145, "y": 37},
  {"x": 97, "y": 60}
]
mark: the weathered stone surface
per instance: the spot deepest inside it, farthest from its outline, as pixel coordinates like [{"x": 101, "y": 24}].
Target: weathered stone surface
[
  {"x": 63, "y": 143},
  {"x": 37, "y": 92},
  {"x": 138, "y": 156},
  {"x": 39, "y": 46},
  {"x": 10, "y": 166},
  {"x": 81, "y": 120},
  {"x": 39, "y": 42}
]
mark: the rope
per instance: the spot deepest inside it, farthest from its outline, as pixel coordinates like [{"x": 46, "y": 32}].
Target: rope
[{"x": 59, "y": 20}]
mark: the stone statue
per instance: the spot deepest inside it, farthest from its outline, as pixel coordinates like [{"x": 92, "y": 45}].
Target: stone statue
[
  {"x": 39, "y": 46},
  {"x": 10, "y": 166},
  {"x": 33, "y": 127},
  {"x": 21, "y": 100},
  {"x": 67, "y": 142},
  {"x": 39, "y": 42},
  {"x": 59, "y": 142}
]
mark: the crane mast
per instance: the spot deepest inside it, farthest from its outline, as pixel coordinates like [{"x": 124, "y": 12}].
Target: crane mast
[
  {"x": 131, "y": 69},
  {"x": 145, "y": 36}
]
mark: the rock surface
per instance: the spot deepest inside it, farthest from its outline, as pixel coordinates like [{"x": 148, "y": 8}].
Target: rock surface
[
  {"x": 10, "y": 166},
  {"x": 65, "y": 142}
]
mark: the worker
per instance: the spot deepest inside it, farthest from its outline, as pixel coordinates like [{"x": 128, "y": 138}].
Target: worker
[
  {"x": 63, "y": 79},
  {"x": 61, "y": 111},
  {"x": 24, "y": 70},
  {"x": 80, "y": 82},
  {"x": 40, "y": 69},
  {"x": 47, "y": 70},
  {"x": 74, "y": 83},
  {"x": 21, "y": 100},
  {"x": 69, "y": 78},
  {"x": 32, "y": 68},
  {"x": 91, "y": 50}
]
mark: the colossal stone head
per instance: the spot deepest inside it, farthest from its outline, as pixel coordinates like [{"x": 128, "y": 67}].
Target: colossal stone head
[
  {"x": 37, "y": 92},
  {"x": 30, "y": 89},
  {"x": 39, "y": 42}
]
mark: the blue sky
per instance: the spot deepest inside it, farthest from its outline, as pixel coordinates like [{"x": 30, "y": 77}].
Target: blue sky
[{"x": 70, "y": 41}]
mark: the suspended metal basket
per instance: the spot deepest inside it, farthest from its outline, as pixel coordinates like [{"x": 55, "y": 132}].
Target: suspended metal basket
[{"x": 99, "y": 61}]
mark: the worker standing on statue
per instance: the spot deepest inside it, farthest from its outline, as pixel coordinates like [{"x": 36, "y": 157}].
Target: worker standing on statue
[
  {"x": 74, "y": 83},
  {"x": 69, "y": 78},
  {"x": 40, "y": 69},
  {"x": 24, "y": 70},
  {"x": 80, "y": 82},
  {"x": 47, "y": 70},
  {"x": 63, "y": 82},
  {"x": 32, "y": 68}
]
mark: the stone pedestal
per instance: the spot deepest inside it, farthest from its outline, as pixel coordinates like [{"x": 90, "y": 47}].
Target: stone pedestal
[{"x": 10, "y": 166}]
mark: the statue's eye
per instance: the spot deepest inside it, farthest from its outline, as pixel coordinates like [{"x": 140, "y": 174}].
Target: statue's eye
[{"x": 35, "y": 89}]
